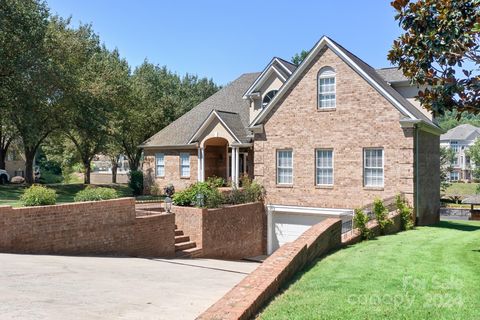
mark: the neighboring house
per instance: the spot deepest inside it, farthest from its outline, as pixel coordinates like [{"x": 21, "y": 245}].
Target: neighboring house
[
  {"x": 323, "y": 138},
  {"x": 15, "y": 162},
  {"x": 102, "y": 170},
  {"x": 459, "y": 139}
]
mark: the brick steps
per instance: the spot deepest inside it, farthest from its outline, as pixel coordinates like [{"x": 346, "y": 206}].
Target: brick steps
[
  {"x": 189, "y": 253},
  {"x": 184, "y": 247},
  {"x": 181, "y": 238}
]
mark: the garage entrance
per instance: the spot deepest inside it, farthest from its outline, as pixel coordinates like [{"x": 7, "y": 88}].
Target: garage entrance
[{"x": 287, "y": 223}]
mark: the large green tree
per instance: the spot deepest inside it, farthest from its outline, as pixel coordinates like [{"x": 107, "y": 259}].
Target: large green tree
[
  {"x": 158, "y": 97},
  {"x": 97, "y": 78},
  {"x": 440, "y": 51},
  {"x": 30, "y": 80}
]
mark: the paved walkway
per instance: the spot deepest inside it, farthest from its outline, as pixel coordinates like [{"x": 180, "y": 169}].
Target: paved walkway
[{"x": 59, "y": 287}]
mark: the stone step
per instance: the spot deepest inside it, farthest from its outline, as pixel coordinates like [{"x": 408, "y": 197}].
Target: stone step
[
  {"x": 181, "y": 238},
  {"x": 178, "y": 232},
  {"x": 189, "y": 253},
  {"x": 185, "y": 245}
]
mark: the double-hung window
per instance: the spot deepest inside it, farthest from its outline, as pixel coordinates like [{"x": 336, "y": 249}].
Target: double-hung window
[
  {"x": 326, "y": 89},
  {"x": 284, "y": 166},
  {"x": 324, "y": 167},
  {"x": 160, "y": 164},
  {"x": 184, "y": 165},
  {"x": 373, "y": 161}
]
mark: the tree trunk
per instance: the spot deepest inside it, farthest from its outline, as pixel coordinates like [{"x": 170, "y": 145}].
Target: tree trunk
[
  {"x": 29, "y": 158},
  {"x": 3, "y": 156},
  {"x": 114, "y": 171},
  {"x": 86, "y": 176}
]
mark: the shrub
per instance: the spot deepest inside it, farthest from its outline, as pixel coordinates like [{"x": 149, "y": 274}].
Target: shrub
[
  {"x": 405, "y": 211},
  {"x": 38, "y": 195},
  {"x": 95, "y": 194},
  {"x": 216, "y": 182},
  {"x": 136, "y": 182},
  {"x": 360, "y": 220},
  {"x": 381, "y": 214},
  {"x": 253, "y": 190},
  {"x": 48, "y": 177},
  {"x": 211, "y": 197},
  {"x": 155, "y": 190}
]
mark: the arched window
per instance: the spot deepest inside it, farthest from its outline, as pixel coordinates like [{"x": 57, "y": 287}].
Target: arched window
[
  {"x": 326, "y": 88},
  {"x": 268, "y": 97}
]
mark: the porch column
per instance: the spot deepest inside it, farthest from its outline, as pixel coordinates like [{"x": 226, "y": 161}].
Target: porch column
[
  {"x": 201, "y": 164},
  {"x": 235, "y": 166}
]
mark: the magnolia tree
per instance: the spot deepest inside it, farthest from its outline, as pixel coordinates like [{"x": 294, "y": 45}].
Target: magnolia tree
[{"x": 439, "y": 50}]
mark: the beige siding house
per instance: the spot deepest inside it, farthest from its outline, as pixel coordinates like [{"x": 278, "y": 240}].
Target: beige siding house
[{"x": 323, "y": 138}]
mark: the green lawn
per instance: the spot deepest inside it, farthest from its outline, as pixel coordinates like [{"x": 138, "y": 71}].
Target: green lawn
[
  {"x": 462, "y": 189},
  {"x": 10, "y": 194},
  {"x": 427, "y": 273}
]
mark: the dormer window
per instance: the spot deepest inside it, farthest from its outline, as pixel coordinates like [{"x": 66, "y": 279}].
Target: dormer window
[
  {"x": 268, "y": 97},
  {"x": 326, "y": 88}
]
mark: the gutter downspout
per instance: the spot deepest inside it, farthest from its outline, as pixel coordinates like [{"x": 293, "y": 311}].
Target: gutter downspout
[{"x": 416, "y": 180}]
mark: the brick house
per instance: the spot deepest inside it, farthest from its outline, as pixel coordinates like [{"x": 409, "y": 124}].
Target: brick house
[{"x": 323, "y": 138}]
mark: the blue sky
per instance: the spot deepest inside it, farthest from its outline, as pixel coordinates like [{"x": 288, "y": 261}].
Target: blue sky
[{"x": 223, "y": 39}]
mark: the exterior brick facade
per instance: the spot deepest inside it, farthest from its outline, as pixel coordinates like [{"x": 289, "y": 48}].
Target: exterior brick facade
[
  {"x": 362, "y": 119},
  {"x": 172, "y": 169},
  {"x": 100, "y": 228}
]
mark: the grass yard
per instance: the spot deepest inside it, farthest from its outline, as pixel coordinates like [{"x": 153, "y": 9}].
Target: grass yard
[
  {"x": 461, "y": 189},
  {"x": 427, "y": 273},
  {"x": 10, "y": 194}
]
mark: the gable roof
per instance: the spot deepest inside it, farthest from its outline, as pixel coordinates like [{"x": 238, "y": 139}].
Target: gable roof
[
  {"x": 228, "y": 99},
  {"x": 461, "y": 132},
  {"x": 364, "y": 70},
  {"x": 392, "y": 75},
  {"x": 272, "y": 67},
  {"x": 230, "y": 120}
]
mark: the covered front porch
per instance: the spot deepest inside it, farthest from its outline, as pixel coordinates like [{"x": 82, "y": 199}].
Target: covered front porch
[
  {"x": 218, "y": 158},
  {"x": 224, "y": 149}
]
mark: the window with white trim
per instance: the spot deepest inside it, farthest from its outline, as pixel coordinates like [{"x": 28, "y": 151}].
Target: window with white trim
[
  {"x": 185, "y": 165},
  {"x": 324, "y": 167},
  {"x": 268, "y": 97},
  {"x": 454, "y": 146},
  {"x": 373, "y": 167},
  {"x": 454, "y": 176},
  {"x": 284, "y": 166},
  {"x": 160, "y": 164},
  {"x": 326, "y": 88}
]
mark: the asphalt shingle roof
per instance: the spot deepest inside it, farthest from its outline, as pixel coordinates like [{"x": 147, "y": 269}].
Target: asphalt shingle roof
[
  {"x": 392, "y": 74},
  {"x": 228, "y": 99},
  {"x": 460, "y": 132}
]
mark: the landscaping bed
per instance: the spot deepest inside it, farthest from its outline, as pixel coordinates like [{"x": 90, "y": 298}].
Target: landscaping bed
[{"x": 426, "y": 273}]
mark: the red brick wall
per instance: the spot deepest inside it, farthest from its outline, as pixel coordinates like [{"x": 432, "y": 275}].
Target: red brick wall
[
  {"x": 233, "y": 232},
  {"x": 154, "y": 235},
  {"x": 105, "y": 227},
  {"x": 247, "y": 297}
]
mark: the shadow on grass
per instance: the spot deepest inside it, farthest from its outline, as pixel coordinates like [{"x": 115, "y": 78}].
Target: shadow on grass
[{"x": 456, "y": 226}]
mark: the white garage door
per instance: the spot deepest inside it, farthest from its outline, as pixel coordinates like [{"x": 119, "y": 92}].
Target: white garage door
[{"x": 287, "y": 223}]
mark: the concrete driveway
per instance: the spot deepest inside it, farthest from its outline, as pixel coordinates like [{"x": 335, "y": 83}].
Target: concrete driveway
[{"x": 60, "y": 287}]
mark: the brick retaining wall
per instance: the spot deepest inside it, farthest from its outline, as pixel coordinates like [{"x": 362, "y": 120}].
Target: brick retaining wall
[
  {"x": 250, "y": 295},
  {"x": 99, "y": 228},
  {"x": 232, "y": 232}
]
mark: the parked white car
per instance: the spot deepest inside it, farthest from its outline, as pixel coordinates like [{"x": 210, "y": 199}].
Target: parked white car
[{"x": 4, "y": 177}]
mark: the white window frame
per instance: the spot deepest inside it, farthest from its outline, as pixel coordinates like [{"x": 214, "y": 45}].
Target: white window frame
[
  {"x": 365, "y": 168},
  {"x": 326, "y": 104},
  {"x": 183, "y": 166},
  {"x": 278, "y": 168},
  {"x": 454, "y": 145},
  {"x": 323, "y": 168},
  {"x": 456, "y": 174},
  {"x": 157, "y": 156}
]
